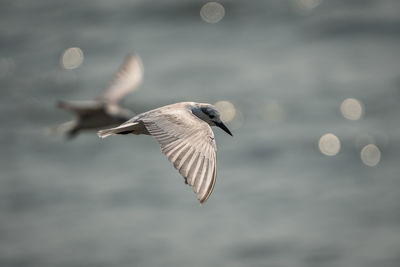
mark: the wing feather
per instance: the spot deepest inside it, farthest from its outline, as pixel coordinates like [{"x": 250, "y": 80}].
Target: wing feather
[
  {"x": 198, "y": 178},
  {"x": 126, "y": 80},
  {"x": 194, "y": 169},
  {"x": 189, "y": 145},
  {"x": 203, "y": 180},
  {"x": 187, "y": 155}
]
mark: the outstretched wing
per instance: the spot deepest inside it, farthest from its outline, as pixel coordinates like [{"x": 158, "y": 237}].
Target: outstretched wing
[
  {"x": 189, "y": 145},
  {"x": 127, "y": 79},
  {"x": 80, "y": 107}
]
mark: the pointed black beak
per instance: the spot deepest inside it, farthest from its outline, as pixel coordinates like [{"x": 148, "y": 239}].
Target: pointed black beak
[{"x": 223, "y": 127}]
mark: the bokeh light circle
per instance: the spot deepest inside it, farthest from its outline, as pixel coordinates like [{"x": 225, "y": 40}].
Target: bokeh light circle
[
  {"x": 370, "y": 155},
  {"x": 212, "y": 12},
  {"x": 226, "y": 110},
  {"x": 329, "y": 144},
  {"x": 72, "y": 58},
  {"x": 351, "y": 109}
]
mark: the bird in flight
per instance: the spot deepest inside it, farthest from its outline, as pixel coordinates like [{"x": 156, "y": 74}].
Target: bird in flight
[
  {"x": 185, "y": 137},
  {"x": 105, "y": 110}
]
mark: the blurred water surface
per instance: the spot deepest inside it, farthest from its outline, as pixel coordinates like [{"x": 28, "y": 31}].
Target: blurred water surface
[{"x": 287, "y": 66}]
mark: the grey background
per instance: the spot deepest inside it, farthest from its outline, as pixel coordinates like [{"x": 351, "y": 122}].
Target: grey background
[{"x": 278, "y": 200}]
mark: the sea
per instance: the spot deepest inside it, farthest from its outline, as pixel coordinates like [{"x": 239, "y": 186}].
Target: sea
[{"x": 310, "y": 178}]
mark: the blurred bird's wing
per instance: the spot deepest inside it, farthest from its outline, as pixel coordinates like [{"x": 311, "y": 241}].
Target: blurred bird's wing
[
  {"x": 126, "y": 80},
  {"x": 63, "y": 127},
  {"x": 189, "y": 145},
  {"x": 81, "y": 107}
]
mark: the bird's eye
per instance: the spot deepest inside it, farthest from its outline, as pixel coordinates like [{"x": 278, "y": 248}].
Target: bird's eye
[{"x": 212, "y": 116}]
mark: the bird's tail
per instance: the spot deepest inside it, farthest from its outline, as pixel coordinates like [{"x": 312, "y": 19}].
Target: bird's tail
[
  {"x": 122, "y": 129},
  {"x": 106, "y": 133}
]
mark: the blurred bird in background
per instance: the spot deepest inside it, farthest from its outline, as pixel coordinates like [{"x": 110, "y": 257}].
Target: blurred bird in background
[
  {"x": 185, "y": 136},
  {"x": 104, "y": 110}
]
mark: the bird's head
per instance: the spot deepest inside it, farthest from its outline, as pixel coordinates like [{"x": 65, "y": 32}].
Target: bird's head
[{"x": 209, "y": 114}]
